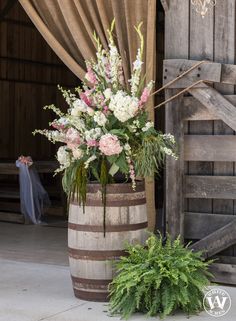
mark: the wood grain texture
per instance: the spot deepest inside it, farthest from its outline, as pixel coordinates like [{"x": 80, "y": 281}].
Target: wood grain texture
[
  {"x": 224, "y": 73},
  {"x": 215, "y": 187},
  {"x": 223, "y": 273},
  {"x": 216, "y": 104},
  {"x": 173, "y": 68},
  {"x": 199, "y": 225},
  {"x": 217, "y": 241},
  {"x": 200, "y": 48},
  {"x": 195, "y": 110},
  {"x": 11, "y": 217},
  {"x": 90, "y": 252},
  {"x": 207, "y": 148},
  {"x": 225, "y": 54},
  {"x": 176, "y": 46},
  {"x": 165, "y": 4}
]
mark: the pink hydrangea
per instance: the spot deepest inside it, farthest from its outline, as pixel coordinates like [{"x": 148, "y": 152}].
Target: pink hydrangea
[
  {"x": 90, "y": 76},
  {"x": 110, "y": 145},
  {"x": 73, "y": 138}
]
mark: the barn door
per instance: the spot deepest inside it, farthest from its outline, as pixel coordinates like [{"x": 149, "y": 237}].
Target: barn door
[{"x": 198, "y": 200}]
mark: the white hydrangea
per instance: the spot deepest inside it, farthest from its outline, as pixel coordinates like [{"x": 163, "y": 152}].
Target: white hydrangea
[
  {"x": 123, "y": 106},
  {"x": 77, "y": 153},
  {"x": 100, "y": 118},
  {"x": 93, "y": 134},
  {"x": 147, "y": 126},
  {"x": 63, "y": 157}
]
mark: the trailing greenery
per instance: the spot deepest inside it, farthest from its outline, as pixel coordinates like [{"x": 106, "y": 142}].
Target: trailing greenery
[{"x": 158, "y": 279}]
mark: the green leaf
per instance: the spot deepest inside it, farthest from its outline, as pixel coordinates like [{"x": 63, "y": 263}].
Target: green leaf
[
  {"x": 114, "y": 169},
  {"x": 122, "y": 164},
  {"x": 118, "y": 132},
  {"x": 112, "y": 159}
]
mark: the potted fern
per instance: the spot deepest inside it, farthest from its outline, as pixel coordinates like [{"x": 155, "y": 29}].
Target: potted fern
[{"x": 158, "y": 279}]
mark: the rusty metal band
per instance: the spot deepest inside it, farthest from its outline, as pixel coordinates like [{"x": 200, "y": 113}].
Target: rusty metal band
[
  {"x": 95, "y": 255},
  {"x": 109, "y": 228},
  {"x": 90, "y": 283},
  {"x": 111, "y": 203},
  {"x": 91, "y": 296},
  {"x": 117, "y": 188}
]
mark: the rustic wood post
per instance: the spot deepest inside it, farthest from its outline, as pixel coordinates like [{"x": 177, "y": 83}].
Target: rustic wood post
[{"x": 175, "y": 169}]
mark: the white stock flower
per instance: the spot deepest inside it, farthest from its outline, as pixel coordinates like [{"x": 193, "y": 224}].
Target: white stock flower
[
  {"x": 147, "y": 126},
  {"x": 89, "y": 160},
  {"x": 78, "y": 107},
  {"x": 123, "y": 106},
  {"x": 58, "y": 136},
  {"x": 169, "y": 137},
  {"x": 100, "y": 118},
  {"x": 63, "y": 157},
  {"x": 107, "y": 93}
]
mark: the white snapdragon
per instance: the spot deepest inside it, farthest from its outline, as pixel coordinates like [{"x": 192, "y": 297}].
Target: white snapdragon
[
  {"x": 147, "y": 126},
  {"x": 123, "y": 106},
  {"x": 89, "y": 160},
  {"x": 135, "y": 77},
  {"x": 63, "y": 157},
  {"x": 114, "y": 60},
  {"x": 93, "y": 134},
  {"x": 100, "y": 118}
]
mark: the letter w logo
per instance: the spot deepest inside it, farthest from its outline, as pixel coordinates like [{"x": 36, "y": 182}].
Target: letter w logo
[{"x": 216, "y": 303}]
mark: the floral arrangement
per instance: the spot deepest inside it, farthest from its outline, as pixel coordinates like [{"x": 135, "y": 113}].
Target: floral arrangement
[{"x": 106, "y": 130}]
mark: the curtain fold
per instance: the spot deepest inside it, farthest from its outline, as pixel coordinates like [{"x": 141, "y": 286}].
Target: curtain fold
[{"x": 68, "y": 26}]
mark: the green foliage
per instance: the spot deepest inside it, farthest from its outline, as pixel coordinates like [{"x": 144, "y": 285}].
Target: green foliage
[
  {"x": 158, "y": 279},
  {"x": 74, "y": 182},
  {"x": 151, "y": 154}
]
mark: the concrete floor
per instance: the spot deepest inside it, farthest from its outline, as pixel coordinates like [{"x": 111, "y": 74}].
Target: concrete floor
[{"x": 35, "y": 280}]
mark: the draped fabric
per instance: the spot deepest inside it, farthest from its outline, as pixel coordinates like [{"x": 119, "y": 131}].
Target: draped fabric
[
  {"x": 68, "y": 26},
  {"x": 33, "y": 196}
]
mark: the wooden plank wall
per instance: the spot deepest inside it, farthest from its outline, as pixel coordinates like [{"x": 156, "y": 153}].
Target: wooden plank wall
[
  {"x": 29, "y": 74},
  {"x": 189, "y": 36}
]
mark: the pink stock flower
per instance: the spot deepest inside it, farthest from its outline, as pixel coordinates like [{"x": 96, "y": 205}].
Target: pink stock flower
[
  {"x": 57, "y": 126},
  {"x": 110, "y": 145},
  {"x": 105, "y": 109},
  {"x": 84, "y": 96},
  {"x": 92, "y": 143},
  {"x": 144, "y": 97},
  {"x": 90, "y": 76}
]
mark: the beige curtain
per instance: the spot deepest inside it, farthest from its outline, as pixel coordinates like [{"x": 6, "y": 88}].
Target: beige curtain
[{"x": 68, "y": 26}]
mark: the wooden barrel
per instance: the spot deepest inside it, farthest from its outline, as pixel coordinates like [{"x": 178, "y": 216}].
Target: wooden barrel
[{"x": 90, "y": 253}]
